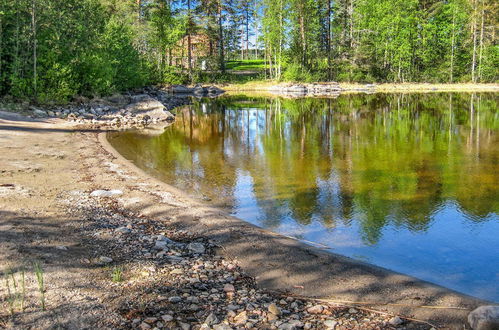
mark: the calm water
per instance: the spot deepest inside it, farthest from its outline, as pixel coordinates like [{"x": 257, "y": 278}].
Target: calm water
[{"x": 407, "y": 182}]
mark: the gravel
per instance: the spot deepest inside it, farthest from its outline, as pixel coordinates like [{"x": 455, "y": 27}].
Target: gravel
[{"x": 173, "y": 279}]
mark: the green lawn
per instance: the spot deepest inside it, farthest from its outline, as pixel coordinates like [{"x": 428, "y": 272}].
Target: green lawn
[{"x": 245, "y": 65}]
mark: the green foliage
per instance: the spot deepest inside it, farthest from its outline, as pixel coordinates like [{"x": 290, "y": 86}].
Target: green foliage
[
  {"x": 173, "y": 76},
  {"x": 54, "y": 50},
  {"x": 117, "y": 274},
  {"x": 244, "y": 65},
  {"x": 41, "y": 285}
]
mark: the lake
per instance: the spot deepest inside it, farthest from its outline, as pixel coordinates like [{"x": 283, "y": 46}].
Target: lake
[{"x": 406, "y": 182}]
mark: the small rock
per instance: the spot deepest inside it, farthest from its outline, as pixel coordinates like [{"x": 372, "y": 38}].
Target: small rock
[
  {"x": 484, "y": 318},
  {"x": 123, "y": 230},
  {"x": 184, "y": 326},
  {"x": 40, "y": 113},
  {"x": 222, "y": 326},
  {"x": 241, "y": 318},
  {"x": 105, "y": 260},
  {"x": 177, "y": 271},
  {"x": 287, "y": 326},
  {"x": 317, "y": 309},
  {"x": 196, "y": 248},
  {"x": 330, "y": 324},
  {"x": 150, "y": 320},
  {"x": 271, "y": 317},
  {"x": 211, "y": 319},
  {"x": 106, "y": 193},
  {"x": 161, "y": 245},
  {"x": 61, "y": 247},
  {"x": 396, "y": 321},
  {"x": 175, "y": 299},
  {"x": 144, "y": 326},
  {"x": 274, "y": 309},
  {"x": 352, "y": 311},
  {"x": 167, "y": 318},
  {"x": 229, "y": 288}
]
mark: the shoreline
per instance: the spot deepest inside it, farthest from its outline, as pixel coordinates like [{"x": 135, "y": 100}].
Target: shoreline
[
  {"x": 262, "y": 88},
  {"x": 277, "y": 262}
]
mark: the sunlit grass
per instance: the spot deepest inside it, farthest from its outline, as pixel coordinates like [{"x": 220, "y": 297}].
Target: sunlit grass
[{"x": 243, "y": 65}]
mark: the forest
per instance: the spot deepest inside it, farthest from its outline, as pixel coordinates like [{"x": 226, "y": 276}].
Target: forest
[{"x": 52, "y": 50}]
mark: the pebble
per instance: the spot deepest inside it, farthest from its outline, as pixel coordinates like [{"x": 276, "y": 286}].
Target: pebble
[
  {"x": 330, "y": 324},
  {"x": 161, "y": 245},
  {"x": 167, "y": 318},
  {"x": 274, "y": 309},
  {"x": 144, "y": 326},
  {"x": 196, "y": 248},
  {"x": 317, "y": 309},
  {"x": 222, "y": 326},
  {"x": 229, "y": 288},
  {"x": 106, "y": 193},
  {"x": 211, "y": 319},
  {"x": 484, "y": 318},
  {"x": 123, "y": 230},
  {"x": 175, "y": 299},
  {"x": 201, "y": 291},
  {"x": 396, "y": 321},
  {"x": 105, "y": 260},
  {"x": 241, "y": 318}
]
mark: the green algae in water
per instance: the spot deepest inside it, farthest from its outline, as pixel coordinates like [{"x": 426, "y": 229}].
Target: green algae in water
[{"x": 407, "y": 182}]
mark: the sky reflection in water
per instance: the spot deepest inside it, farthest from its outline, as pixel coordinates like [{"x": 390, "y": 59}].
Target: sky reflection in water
[{"x": 407, "y": 182}]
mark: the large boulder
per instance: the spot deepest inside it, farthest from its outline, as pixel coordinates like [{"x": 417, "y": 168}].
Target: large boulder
[
  {"x": 180, "y": 89},
  {"x": 148, "y": 107},
  {"x": 484, "y": 318},
  {"x": 39, "y": 113}
]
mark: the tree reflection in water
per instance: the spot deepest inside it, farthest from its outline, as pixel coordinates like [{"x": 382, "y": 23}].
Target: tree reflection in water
[{"x": 374, "y": 164}]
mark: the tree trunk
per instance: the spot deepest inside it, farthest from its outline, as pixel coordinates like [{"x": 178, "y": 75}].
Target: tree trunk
[
  {"x": 221, "y": 37},
  {"x": 453, "y": 42},
  {"x": 281, "y": 33},
  {"x": 247, "y": 32},
  {"x": 302, "y": 33},
  {"x": 139, "y": 9},
  {"x": 329, "y": 59},
  {"x": 189, "y": 41},
  {"x": 473, "y": 62},
  {"x": 480, "y": 54},
  {"x": 1, "y": 53},
  {"x": 35, "y": 74}
]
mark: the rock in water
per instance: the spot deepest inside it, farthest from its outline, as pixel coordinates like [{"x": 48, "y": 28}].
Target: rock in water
[
  {"x": 484, "y": 318},
  {"x": 149, "y": 108},
  {"x": 180, "y": 89}
]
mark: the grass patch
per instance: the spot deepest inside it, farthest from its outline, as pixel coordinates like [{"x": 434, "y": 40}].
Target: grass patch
[
  {"x": 117, "y": 274},
  {"x": 245, "y": 65},
  {"x": 41, "y": 285}
]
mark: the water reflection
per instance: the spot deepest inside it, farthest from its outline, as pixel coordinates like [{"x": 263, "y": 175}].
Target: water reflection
[{"x": 408, "y": 182}]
